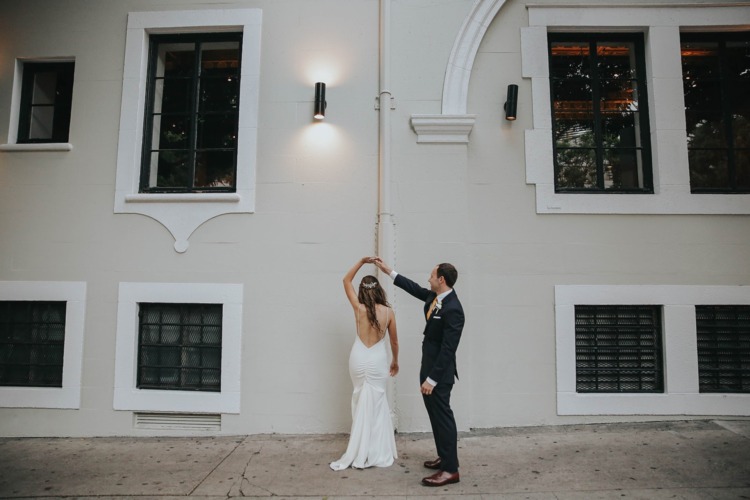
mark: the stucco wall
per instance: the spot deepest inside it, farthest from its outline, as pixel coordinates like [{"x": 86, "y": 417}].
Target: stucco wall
[{"x": 315, "y": 213}]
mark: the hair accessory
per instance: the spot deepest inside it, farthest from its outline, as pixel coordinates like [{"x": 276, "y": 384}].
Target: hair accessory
[{"x": 370, "y": 286}]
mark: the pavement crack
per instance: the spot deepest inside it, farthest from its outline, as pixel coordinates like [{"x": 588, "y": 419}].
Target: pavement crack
[
  {"x": 216, "y": 467},
  {"x": 244, "y": 480}
]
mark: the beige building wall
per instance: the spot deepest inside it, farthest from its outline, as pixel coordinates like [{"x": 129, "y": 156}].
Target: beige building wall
[{"x": 316, "y": 212}]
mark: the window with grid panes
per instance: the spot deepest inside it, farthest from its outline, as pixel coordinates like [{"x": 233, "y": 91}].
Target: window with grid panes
[
  {"x": 46, "y": 99},
  {"x": 601, "y": 137},
  {"x": 192, "y": 114},
  {"x": 32, "y": 339},
  {"x": 179, "y": 346},
  {"x": 619, "y": 348},
  {"x": 723, "y": 348},
  {"x": 716, "y": 82}
]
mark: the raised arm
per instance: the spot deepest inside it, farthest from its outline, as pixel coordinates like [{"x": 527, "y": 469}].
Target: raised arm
[{"x": 351, "y": 293}]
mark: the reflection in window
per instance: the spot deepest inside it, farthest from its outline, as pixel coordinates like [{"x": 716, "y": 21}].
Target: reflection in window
[
  {"x": 716, "y": 81},
  {"x": 46, "y": 98},
  {"x": 599, "y": 113},
  {"x": 190, "y": 142}
]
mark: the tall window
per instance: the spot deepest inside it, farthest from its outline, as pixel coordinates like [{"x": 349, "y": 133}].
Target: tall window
[
  {"x": 179, "y": 346},
  {"x": 46, "y": 97},
  {"x": 723, "y": 348},
  {"x": 619, "y": 348},
  {"x": 599, "y": 113},
  {"x": 716, "y": 80},
  {"x": 190, "y": 142},
  {"x": 32, "y": 339}
]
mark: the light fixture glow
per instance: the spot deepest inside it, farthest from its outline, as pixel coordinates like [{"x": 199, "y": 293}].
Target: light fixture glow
[{"x": 320, "y": 101}]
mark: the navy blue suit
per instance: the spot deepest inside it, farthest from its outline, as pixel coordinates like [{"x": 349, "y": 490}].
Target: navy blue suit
[{"x": 442, "y": 333}]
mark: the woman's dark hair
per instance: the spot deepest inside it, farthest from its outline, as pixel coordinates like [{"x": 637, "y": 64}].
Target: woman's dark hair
[
  {"x": 371, "y": 294},
  {"x": 448, "y": 272}
]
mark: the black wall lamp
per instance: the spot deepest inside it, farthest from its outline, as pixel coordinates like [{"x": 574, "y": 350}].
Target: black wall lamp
[
  {"x": 511, "y": 102},
  {"x": 320, "y": 101}
]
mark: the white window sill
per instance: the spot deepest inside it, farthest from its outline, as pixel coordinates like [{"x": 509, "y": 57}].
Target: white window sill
[
  {"x": 183, "y": 198},
  {"x": 46, "y": 146}
]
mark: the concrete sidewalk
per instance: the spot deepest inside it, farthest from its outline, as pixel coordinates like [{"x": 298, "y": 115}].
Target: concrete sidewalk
[{"x": 685, "y": 459}]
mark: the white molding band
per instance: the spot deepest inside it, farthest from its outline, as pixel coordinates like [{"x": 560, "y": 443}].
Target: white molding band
[
  {"x": 443, "y": 128},
  {"x": 681, "y": 386}
]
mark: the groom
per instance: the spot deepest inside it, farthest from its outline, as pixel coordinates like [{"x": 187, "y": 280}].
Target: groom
[{"x": 444, "y": 318}]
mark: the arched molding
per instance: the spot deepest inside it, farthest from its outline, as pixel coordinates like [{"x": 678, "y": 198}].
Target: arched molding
[{"x": 453, "y": 124}]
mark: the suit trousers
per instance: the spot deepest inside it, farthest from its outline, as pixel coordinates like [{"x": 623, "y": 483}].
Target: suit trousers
[{"x": 438, "y": 405}]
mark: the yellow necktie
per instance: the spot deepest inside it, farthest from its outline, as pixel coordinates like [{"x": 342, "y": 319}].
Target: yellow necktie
[{"x": 432, "y": 308}]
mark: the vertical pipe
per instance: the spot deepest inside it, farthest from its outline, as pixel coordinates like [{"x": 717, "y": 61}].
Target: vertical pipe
[{"x": 385, "y": 229}]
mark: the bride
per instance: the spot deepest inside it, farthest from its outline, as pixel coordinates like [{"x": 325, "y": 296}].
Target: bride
[{"x": 371, "y": 443}]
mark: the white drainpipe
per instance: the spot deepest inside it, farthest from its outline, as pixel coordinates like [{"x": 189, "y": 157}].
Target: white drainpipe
[{"x": 386, "y": 241}]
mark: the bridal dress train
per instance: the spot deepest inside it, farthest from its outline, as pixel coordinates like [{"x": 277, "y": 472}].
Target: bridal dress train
[{"x": 371, "y": 443}]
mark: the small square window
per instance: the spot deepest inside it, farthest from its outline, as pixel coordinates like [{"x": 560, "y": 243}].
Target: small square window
[
  {"x": 618, "y": 348},
  {"x": 179, "y": 346},
  {"x": 46, "y": 98},
  {"x": 32, "y": 341},
  {"x": 723, "y": 348}
]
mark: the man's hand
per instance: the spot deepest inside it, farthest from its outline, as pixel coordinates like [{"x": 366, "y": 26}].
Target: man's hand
[
  {"x": 427, "y": 388},
  {"x": 382, "y": 265}
]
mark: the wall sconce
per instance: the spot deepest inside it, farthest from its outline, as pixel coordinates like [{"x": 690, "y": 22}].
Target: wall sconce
[
  {"x": 511, "y": 102},
  {"x": 320, "y": 101}
]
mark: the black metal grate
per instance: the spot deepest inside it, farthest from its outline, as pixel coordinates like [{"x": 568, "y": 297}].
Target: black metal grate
[
  {"x": 32, "y": 341},
  {"x": 723, "y": 348},
  {"x": 619, "y": 348},
  {"x": 179, "y": 346}
]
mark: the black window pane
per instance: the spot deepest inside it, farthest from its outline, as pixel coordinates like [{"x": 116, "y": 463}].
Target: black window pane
[
  {"x": 742, "y": 167},
  {"x": 214, "y": 169},
  {"x": 576, "y": 168},
  {"x": 716, "y": 80},
  {"x": 46, "y": 98},
  {"x": 598, "y": 101},
  {"x": 172, "y": 95},
  {"x": 615, "y": 60},
  {"x": 194, "y": 106},
  {"x": 618, "y": 349},
  {"x": 180, "y": 346},
  {"x": 622, "y": 169},
  {"x": 723, "y": 336},
  {"x": 169, "y": 169},
  {"x": 32, "y": 336},
  {"x": 570, "y": 60},
  {"x": 738, "y": 59},
  {"x": 706, "y": 129},
  {"x": 709, "y": 168}
]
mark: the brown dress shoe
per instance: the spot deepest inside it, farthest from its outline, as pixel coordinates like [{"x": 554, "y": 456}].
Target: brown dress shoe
[
  {"x": 441, "y": 479},
  {"x": 433, "y": 464}
]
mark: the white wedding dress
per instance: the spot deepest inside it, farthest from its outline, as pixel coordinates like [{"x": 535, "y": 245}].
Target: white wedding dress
[{"x": 371, "y": 443}]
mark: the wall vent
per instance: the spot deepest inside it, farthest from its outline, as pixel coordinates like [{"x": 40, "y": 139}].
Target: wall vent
[{"x": 177, "y": 421}]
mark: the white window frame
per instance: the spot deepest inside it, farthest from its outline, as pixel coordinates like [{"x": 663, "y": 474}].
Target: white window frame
[
  {"x": 182, "y": 214},
  {"x": 74, "y": 295},
  {"x": 15, "y": 110},
  {"x": 682, "y": 394},
  {"x": 661, "y": 25},
  {"x": 127, "y": 396}
]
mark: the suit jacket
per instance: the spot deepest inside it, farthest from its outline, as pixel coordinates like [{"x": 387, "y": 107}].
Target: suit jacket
[{"x": 442, "y": 332}]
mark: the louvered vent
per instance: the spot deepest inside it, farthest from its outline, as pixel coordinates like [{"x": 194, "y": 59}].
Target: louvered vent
[
  {"x": 177, "y": 421},
  {"x": 723, "y": 348},
  {"x": 619, "y": 348}
]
